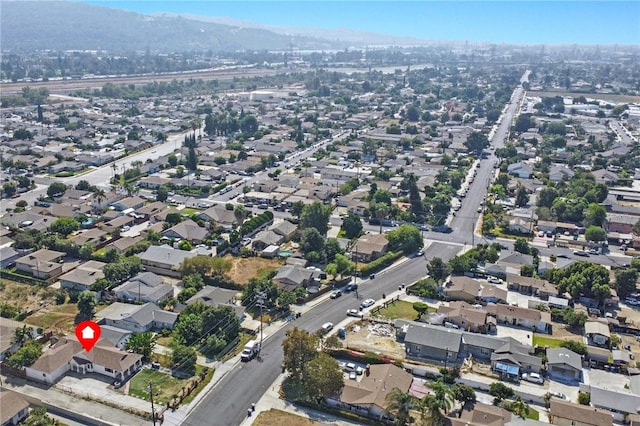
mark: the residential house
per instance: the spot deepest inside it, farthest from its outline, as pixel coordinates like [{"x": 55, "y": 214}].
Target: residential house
[
  {"x": 597, "y": 333},
  {"x": 67, "y": 354},
  {"x": 136, "y": 318},
  {"x": 533, "y": 319},
  {"x": 164, "y": 260},
  {"x": 82, "y": 277},
  {"x": 615, "y": 401},
  {"x": 14, "y": 408},
  {"x": 564, "y": 365},
  {"x": 151, "y": 211},
  {"x": 520, "y": 225},
  {"x": 123, "y": 244},
  {"x": 598, "y": 356},
  {"x": 466, "y": 317},
  {"x": 27, "y": 220},
  {"x": 472, "y": 291},
  {"x": 187, "y": 230},
  {"x": 153, "y": 182},
  {"x": 369, "y": 395},
  {"x": 7, "y": 330},
  {"x": 606, "y": 177},
  {"x": 429, "y": 342},
  {"x": 114, "y": 336},
  {"x": 620, "y": 223},
  {"x": 521, "y": 170},
  {"x": 134, "y": 202},
  {"x": 290, "y": 277},
  {"x": 513, "y": 359},
  {"x": 43, "y": 263},
  {"x": 480, "y": 346},
  {"x": 369, "y": 247},
  {"x": 220, "y": 215},
  {"x": 558, "y": 173},
  {"x": 117, "y": 223},
  {"x": 567, "y": 413},
  {"x": 144, "y": 287},
  {"x": 479, "y": 414},
  {"x": 532, "y": 286},
  {"x": 8, "y": 256},
  {"x": 93, "y": 236},
  {"x": 216, "y": 296}
]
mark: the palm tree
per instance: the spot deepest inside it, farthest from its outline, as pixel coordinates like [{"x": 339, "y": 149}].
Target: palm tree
[
  {"x": 399, "y": 404},
  {"x": 431, "y": 408},
  {"x": 381, "y": 212},
  {"x": 444, "y": 394}
]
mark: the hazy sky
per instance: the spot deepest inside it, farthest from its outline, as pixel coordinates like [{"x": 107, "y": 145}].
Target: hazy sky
[{"x": 583, "y": 22}]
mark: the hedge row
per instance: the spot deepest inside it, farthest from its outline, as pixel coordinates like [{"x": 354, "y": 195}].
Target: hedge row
[
  {"x": 363, "y": 358},
  {"x": 256, "y": 222},
  {"x": 219, "y": 187},
  {"x": 380, "y": 263}
]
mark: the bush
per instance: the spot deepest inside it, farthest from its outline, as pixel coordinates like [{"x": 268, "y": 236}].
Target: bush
[
  {"x": 364, "y": 358},
  {"x": 584, "y": 398},
  {"x": 380, "y": 263},
  {"x": 426, "y": 288},
  {"x": 577, "y": 347}
]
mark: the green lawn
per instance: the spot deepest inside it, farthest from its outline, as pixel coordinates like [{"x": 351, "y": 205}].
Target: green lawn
[
  {"x": 398, "y": 309},
  {"x": 533, "y": 414},
  {"x": 543, "y": 341},
  {"x": 164, "y": 385},
  {"x": 189, "y": 211}
]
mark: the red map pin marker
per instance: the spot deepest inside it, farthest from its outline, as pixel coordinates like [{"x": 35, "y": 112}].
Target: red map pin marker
[{"x": 88, "y": 333}]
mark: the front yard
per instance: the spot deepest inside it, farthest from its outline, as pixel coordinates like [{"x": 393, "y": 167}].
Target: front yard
[
  {"x": 278, "y": 417},
  {"x": 165, "y": 387},
  {"x": 245, "y": 268}
]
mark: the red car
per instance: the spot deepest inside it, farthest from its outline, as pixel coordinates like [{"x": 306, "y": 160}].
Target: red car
[{"x": 16, "y": 195}]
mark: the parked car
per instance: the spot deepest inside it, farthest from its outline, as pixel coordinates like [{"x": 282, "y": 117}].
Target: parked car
[
  {"x": 351, "y": 287},
  {"x": 354, "y": 313},
  {"x": 367, "y": 303},
  {"x": 558, "y": 395},
  {"x": 581, "y": 253},
  {"x": 336, "y": 294},
  {"x": 533, "y": 378},
  {"x": 327, "y": 326},
  {"x": 494, "y": 280}
]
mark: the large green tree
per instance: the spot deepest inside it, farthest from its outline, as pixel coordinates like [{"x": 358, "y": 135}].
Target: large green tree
[
  {"x": 626, "y": 281},
  {"x": 300, "y": 348},
  {"x": 594, "y": 214},
  {"x": 595, "y": 233},
  {"x": 56, "y": 188},
  {"x": 322, "y": 377},
  {"x": 352, "y": 226},
  {"x": 407, "y": 238},
  {"x": 86, "y": 304},
  {"x": 184, "y": 359},
  {"x": 316, "y": 215},
  {"x": 65, "y": 226},
  {"x": 438, "y": 269}
]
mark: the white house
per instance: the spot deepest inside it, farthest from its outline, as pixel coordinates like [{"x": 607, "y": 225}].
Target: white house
[{"x": 67, "y": 354}]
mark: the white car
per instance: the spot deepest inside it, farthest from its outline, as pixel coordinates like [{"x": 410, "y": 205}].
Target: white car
[
  {"x": 533, "y": 378},
  {"x": 354, "y": 313},
  {"x": 494, "y": 280},
  {"x": 327, "y": 326},
  {"x": 367, "y": 303}
]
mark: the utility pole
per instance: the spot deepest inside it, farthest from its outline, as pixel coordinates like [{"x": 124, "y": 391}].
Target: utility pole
[
  {"x": 262, "y": 297},
  {"x": 153, "y": 410}
]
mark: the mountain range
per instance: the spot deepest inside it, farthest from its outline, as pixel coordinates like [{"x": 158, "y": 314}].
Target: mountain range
[{"x": 61, "y": 25}]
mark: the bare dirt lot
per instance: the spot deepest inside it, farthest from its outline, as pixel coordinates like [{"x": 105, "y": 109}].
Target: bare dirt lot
[
  {"x": 279, "y": 417},
  {"x": 24, "y": 296},
  {"x": 376, "y": 338},
  {"x": 245, "y": 268}
]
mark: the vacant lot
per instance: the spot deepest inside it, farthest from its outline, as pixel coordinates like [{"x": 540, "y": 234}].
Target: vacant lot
[
  {"x": 27, "y": 297},
  {"x": 59, "y": 318},
  {"x": 278, "y": 417},
  {"x": 245, "y": 268},
  {"x": 164, "y": 386},
  {"x": 370, "y": 337},
  {"x": 398, "y": 309}
]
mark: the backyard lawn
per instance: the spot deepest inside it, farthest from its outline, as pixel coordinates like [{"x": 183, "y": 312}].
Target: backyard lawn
[
  {"x": 543, "y": 341},
  {"x": 398, "y": 309},
  {"x": 165, "y": 386}
]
